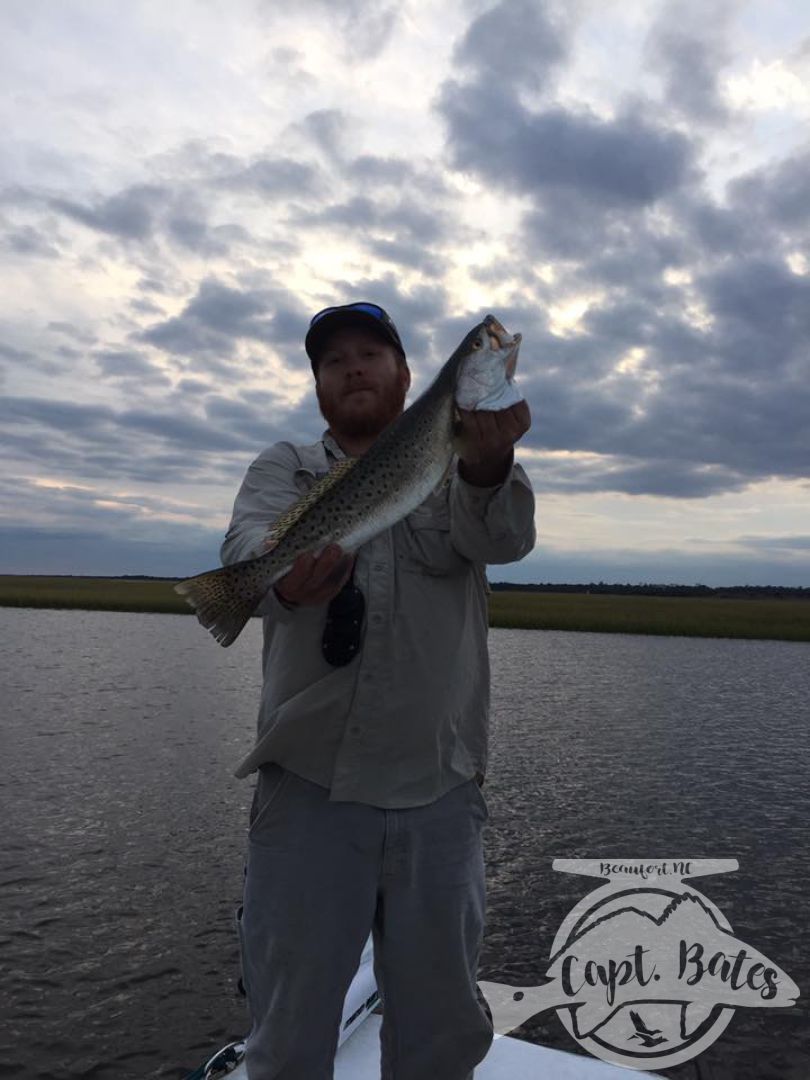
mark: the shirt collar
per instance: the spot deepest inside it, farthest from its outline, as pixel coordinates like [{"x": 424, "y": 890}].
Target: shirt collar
[{"x": 331, "y": 445}]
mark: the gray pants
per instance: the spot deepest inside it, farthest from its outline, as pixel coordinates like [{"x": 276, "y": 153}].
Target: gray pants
[{"x": 320, "y": 875}]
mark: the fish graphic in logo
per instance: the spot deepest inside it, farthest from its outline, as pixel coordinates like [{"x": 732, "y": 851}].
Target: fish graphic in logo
[{"x": 645, "y": 971}]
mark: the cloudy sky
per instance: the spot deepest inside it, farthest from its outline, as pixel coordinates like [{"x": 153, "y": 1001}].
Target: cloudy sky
[{"x": 626, "y": 182}]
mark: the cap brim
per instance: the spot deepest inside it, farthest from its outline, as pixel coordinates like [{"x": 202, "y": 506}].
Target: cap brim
[{"x": 317, "y": 334}]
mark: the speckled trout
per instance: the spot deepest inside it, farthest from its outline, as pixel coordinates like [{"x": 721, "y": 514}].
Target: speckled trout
[{"x": 361, "y": 497}]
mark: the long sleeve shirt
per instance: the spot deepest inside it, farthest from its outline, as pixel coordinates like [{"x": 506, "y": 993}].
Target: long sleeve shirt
[{"x": 407, "y": 719}]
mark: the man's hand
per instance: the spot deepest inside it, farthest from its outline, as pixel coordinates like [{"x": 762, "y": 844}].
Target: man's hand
[
  {"x": 315, "y": 580},
  {"x": 487, "y": 442}
]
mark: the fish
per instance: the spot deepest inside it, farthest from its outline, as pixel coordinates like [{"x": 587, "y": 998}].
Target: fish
[{"x": 361, "y": 497}]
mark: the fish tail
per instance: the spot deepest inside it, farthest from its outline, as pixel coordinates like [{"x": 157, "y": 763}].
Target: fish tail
[{"x": 221, "y": 601}]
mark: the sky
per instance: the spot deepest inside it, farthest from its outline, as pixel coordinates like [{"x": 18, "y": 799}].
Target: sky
[{"x": 625, "y": 182}]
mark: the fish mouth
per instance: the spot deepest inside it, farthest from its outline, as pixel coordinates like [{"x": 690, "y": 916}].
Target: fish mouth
[{"x": 500, "y": 338}]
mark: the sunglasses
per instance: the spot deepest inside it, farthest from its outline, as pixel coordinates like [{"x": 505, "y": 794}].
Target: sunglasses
[
  {"x": 366, "y": 308},
  {"x": 342, "y": 630}
]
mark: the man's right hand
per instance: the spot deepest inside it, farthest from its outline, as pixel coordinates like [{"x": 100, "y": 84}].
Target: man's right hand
[{"x": 315, "y": 580}]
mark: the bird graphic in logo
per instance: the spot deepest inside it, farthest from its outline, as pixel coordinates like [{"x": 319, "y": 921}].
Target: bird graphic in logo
[{"x": 647, "y": 1036}]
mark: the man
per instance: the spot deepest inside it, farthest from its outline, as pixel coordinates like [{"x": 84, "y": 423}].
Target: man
[{"x": 372, "y": 735}]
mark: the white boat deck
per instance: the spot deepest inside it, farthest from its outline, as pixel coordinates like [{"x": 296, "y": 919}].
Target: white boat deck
[{"x": 508, "y": 1059}]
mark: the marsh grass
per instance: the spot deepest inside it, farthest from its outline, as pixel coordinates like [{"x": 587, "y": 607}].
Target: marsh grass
[
  {"x": 92, "y": 594},
  {"x": 704, "y": 616}
]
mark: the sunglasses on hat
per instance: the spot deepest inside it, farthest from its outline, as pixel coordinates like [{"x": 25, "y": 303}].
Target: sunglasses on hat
[
  {"x": 364, "y": 306},
  {"x": 363, "y": 311}
]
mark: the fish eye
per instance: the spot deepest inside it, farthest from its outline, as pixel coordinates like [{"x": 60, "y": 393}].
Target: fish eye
[{"x": 477, "y": 343}]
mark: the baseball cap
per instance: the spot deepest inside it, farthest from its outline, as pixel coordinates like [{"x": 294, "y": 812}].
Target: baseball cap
[{"x": 362, "y": 313}]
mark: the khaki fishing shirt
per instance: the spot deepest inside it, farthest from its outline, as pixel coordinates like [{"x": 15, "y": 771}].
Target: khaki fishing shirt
[{"x": 408, "y": 718}]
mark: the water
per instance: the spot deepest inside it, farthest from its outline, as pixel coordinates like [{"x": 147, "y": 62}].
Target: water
[{"x": 124, "y": 828}]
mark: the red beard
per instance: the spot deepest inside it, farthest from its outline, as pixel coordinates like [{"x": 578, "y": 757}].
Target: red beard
[{"x": 345, "y": 418}]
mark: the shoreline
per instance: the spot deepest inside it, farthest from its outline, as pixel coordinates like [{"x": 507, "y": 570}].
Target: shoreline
[{"x": 763, "y": 619}]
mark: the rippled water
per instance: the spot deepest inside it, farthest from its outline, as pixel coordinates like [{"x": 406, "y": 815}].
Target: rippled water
[{"x": 123, "y": 829}]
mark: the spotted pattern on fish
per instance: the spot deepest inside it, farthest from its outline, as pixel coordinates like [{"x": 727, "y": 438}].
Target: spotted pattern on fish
[
  {"x": 357, "y": 500},
  {"x": 299, "y": 508}
]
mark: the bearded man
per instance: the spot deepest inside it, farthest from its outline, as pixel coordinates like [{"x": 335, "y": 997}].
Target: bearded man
[{"x": 372, "y": 734}]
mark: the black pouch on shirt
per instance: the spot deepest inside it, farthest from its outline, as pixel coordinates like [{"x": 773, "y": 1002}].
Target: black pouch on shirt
[{"x": 343, "y": 629}]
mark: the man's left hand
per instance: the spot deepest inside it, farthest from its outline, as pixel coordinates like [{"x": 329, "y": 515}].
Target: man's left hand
[{"x": 487, "y": 442}]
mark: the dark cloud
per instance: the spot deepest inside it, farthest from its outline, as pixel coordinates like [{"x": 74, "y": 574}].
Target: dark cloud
[
  {"x": 26, "y": 240},
  {"x": 129, "y": 364},
  {"x": 688, "y": 49},
  {"x": 389, "y": 177},
  {"x": 793, "y": 545},
  {"x": 407, "y": 253},
  {"x": 401, "y": 215},
  {"x": 192, "y": 233},
  {"x": 626, "y": 161},
  {"x": 371, "y": 168},
  {"x": 761, "y": 306},
  {"x": 18, "y": 196},
  {"x": 18, "y": 356},
  {"x": 264, "y": 418},
  {"x": 195, "y": 386},
  {"x": 707, "y": 409},
  {"x": 327, "y": 128},
  {"x": 668, "y": 478},
  {"x": 152, "y": 284},
  {"x": 195, "y": 434},
  {"x": 365, "y": 215},
  {"x": 131, "y": 214},
  {"x": 226, "y": 310},
  {"x": 778, "y": 192},
  {"x": 187, "y": 337},
  {"x": 78, "y": 333},
  {"x": 97, "y": 440},
  {"x": 271, "y": 176},
  {"x": 626, "y": 244},
  {"x": 219, "y": 315},
  {"x": 85, "y": 506},
  {"x": 682, "y": 385},
  {"x": 762, "y": 212},
  {"x": 178, "y": 552},
  {"x": 44, "y": 363},
  {"x": 145, "y": 307},
  {"x": 714, "y": 230},
  {"x": 516, "y": 42},
  {"x": 146, "y": 212},
  {"x": 633, "y": 565}
]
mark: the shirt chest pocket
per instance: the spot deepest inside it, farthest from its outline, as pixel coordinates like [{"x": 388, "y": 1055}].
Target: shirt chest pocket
[{"x": 423, "y": 543}]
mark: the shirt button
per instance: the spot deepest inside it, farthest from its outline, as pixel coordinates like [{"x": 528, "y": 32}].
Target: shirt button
[
  {"x": 355, "y": 729},
  {"x": 376, "y": 618},
  {"x": 377, "y": 567}
]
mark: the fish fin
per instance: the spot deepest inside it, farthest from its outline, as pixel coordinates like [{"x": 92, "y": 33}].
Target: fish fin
[
  {"x": 218, "y": 599},
  {"x": 293, "y": 514}
]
